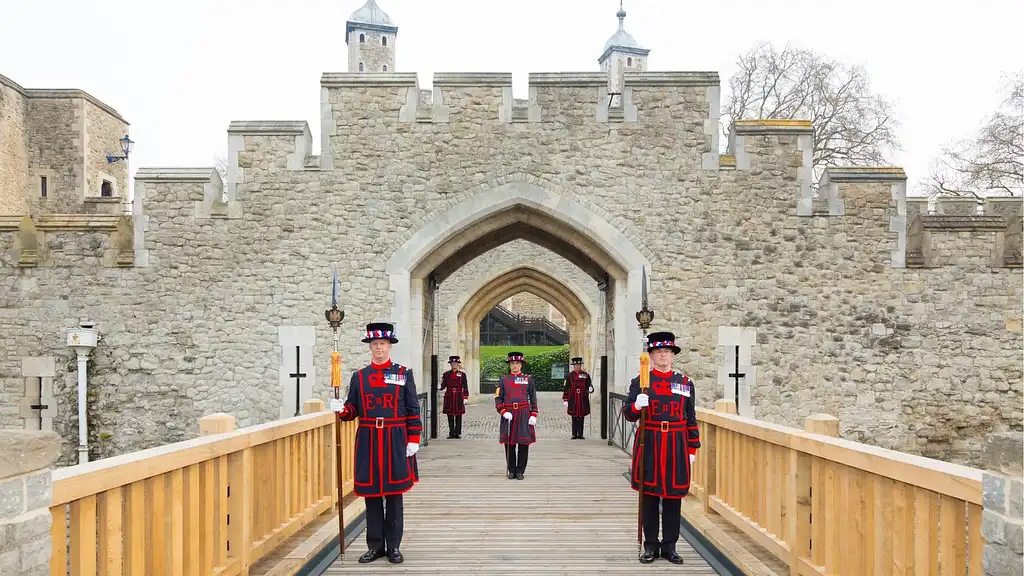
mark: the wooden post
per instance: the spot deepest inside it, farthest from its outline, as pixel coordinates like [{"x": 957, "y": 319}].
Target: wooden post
[
  {"x": 825, "y": 424},
  {"x": 216, "y": 423},
  {"x": 709, "y": 454},
  {"x": 726, "y": 406},
  {"x": 800, "y": 499},
  {"x": 313, "y": 405}
]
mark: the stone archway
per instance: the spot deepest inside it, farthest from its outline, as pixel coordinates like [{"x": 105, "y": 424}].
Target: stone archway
[
  {"x": 579, "y": 311},
  {"x": 500, "y": 214}
]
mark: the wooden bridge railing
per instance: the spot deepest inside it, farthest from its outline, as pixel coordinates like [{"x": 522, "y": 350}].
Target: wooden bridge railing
[
  {"x": 827, "y": 506},
  {"x": 211, "y": 505}
]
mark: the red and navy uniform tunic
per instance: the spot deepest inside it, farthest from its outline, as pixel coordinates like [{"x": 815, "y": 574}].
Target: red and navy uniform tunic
[
  {"x": 670, "y": 434},
  {"x": 383, "y": 397},
  {"x": 576, "y": 392},
  {"x": 517, "y": 394},
  {"x": 456, "y": 391}
]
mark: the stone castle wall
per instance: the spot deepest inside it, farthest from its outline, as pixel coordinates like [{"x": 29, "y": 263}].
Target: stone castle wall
[
  {"x": 13, "y": 153},
  {"x": 734, "y": 241},
  {"x": 103, "y": 132},
  {"x": 64, "y": 136},
  {"x": 55, "y": 150}
]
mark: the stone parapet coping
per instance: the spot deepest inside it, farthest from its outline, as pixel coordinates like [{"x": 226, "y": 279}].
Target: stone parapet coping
[
  {"x": 268, "y": 127},
  {"x": 472, "y": 79},
  {"x": 962, "y": 223},
  {"x": 863, "y": 174},
  {"x": 769, "y": 126},
  {"x": 175, "y": 174},
  {"x": 63, "y": 222},
  {"x": 568, "y": 79},
  {"x": 671, "y": 79},
  {"x": 357, "y": 79}
]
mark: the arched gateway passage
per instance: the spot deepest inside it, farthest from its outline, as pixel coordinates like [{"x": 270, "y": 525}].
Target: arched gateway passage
[
  {"x": 467, "y": 313},
  {"x": 512, "y": 210}
]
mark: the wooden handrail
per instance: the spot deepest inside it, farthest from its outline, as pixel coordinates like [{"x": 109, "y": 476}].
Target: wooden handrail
[
  {"x": 827, "y": 506},
  {"x": 961, "y": 482},
  {"x": 212, "y": 505},
  {"x": 76, "y": 482}
]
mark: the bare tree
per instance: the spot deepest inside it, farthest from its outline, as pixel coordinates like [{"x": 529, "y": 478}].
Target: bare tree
[
  {"x": 220, "y": 164},
  {"x": 991, "y": 162},
  {"x": 852, "y": 125}
]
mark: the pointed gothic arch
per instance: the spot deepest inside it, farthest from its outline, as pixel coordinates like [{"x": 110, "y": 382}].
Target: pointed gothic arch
[
  {"x": 517, "y": 206},
  {"x": 464, "y": 316}
]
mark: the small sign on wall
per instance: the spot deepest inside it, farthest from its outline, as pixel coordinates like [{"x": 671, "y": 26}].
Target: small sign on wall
[{"x": 558, "y": 371}]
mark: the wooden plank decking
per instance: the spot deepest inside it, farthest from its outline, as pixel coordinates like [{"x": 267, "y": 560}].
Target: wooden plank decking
[{"x": 574, "y": 513}]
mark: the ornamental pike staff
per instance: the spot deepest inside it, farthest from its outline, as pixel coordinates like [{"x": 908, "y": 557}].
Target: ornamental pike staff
[
  {"x": 644, "y": 318},
  {"x": 334, "y": 318}
]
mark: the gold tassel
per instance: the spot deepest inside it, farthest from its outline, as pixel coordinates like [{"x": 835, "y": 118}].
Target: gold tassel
[{"x": 335, "y": 369}]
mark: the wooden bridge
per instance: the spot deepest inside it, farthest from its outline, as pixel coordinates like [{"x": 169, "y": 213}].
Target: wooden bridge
[{"x": 768, "y": 500}]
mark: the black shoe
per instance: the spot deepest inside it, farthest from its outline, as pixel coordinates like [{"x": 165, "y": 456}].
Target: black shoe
[
  {"x": 647, "y": 556},
  {"x": 511, "y": 475},
  {"x": 395, "y": 557},
  {"x": 582, "y": 438},
  {"x": 672, "y": 556},
  {"x": 370, "y": 556},
  {"x": 519, "y": 476}
]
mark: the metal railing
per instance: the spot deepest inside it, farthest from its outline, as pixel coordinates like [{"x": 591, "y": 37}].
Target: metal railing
[
  {"x": 622, "y": 431},
  {"x": 425, "y": 416}
]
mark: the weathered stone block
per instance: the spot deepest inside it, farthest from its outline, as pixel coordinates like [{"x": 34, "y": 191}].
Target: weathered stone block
[
  {"x": 1015, "y": 509},
  {"x": 10, "y": 561},
  {"x": 1004, "y": 452},
  {"x": 993, "y": 492},
  {"x": 1000, "y": 561},
  {"x": 12, "y": 498},
  {"x": 38, "y": 490},
  {"x": 993, "y": 527},
  {"x": 35, "y": 554},
  {"x": 23, "y": 451},
  {"x": 1014, "y": 536},
  {"x": 36, "y": 525}
]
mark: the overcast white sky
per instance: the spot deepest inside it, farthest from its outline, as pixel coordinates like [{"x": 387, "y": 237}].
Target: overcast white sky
[{"x": 180, "y": 70}]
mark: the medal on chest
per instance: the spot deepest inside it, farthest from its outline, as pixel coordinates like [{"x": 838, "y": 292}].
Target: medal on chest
[
  {"x": 520, "y": 381},
  {"x": 395, "y": 379},
  {"x": 680, "y": 389}
]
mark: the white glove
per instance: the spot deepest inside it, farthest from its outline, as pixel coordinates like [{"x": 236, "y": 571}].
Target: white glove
[
  {"x": 566, "y": 404},
  {"x": 337, "y": 405},
  {"x": 641, "y": 401},
  {"x": 411, "y": 449},
  {"x": 507, "y": 415},
  {"x": 465, "y": 401},
  {"x": 533, "y": 420},
  {"x": 692, "y": 458}
]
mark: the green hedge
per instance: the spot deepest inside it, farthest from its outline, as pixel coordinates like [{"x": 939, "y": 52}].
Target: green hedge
[{"x": 537, "y": 365}]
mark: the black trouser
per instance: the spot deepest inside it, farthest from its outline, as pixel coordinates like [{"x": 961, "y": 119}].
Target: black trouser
[
  {"x": 454, "y": 425},
  {"x": 384, "y": 529},
  {"x": 517, "y": 465},
  {"x": 669, "y": 523},
  {"x": 577, "y": 427}
]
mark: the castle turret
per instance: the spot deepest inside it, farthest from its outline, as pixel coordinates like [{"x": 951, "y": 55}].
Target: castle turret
[
  {"x": 370, "y": 35},
  {"x": 621, "y": 53}
]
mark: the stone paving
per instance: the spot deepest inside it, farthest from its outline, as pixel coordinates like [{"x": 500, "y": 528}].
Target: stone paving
[{"x": 481, "y": 420}]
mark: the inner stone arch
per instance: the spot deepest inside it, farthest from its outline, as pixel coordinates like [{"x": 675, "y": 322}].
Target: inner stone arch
[
  {"x": 496, "y": 216},
  {"x": 579, "y": 311}
]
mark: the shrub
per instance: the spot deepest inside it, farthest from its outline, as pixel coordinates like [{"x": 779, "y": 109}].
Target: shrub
[{"x": 537, "y": 365}]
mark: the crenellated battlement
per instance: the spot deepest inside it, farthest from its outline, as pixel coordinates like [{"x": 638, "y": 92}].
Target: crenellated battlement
[
  {"x": 486, "y": 97},
  {"x": 44, "y": 240}
]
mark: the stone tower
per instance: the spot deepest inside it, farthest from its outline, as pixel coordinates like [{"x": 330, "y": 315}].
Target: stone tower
[
  {"x": 621, "y": 54},
  {"x": 370, "y": 35}
]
